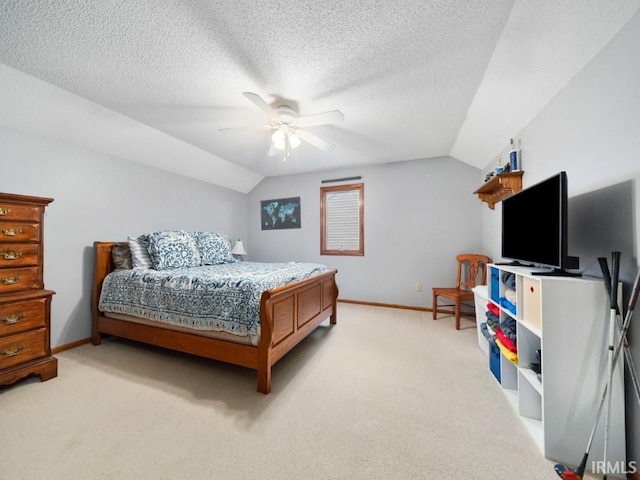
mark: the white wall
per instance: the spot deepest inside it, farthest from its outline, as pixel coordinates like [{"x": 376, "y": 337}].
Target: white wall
[
  {"x": 591, "y": 129},
  {"x": 418, "y": 216},
  {"x": 98, "y": 197}
]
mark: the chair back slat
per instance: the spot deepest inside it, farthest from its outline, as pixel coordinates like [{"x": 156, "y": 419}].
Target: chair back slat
[{"x": 472, "y": 270}]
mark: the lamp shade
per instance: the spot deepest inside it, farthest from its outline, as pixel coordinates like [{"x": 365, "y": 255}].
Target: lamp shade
[
  {"x": 238, "y": 249},
  {"x": 281, "y": 135}
]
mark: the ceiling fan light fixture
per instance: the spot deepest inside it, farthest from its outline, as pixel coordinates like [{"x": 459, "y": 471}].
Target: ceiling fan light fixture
[
  {"x": 294, "y": 140},
  {"x": 279, "y": 139},
  {"x": 288, "y": 127}
]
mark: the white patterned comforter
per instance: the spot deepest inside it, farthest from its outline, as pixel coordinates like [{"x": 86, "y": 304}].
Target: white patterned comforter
[{"x": 214, "y": 297}]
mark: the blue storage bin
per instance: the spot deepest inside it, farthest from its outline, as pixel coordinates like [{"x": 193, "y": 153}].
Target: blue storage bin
[
  {"x": 494, "y": 279},
  {"x": 494, "y": 360}
]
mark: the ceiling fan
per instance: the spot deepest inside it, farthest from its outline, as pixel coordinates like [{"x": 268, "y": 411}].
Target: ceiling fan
[{"x": 288, "y": 126}]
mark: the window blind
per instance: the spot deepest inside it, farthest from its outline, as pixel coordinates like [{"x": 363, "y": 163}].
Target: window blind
[{"x": 342, "y": 232}]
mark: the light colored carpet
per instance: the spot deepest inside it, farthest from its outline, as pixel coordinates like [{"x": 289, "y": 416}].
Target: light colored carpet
[{"x": 385, "y": 394}]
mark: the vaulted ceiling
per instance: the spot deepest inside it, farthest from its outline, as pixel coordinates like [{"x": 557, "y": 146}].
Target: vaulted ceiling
[{"x": 413, "y": 78}]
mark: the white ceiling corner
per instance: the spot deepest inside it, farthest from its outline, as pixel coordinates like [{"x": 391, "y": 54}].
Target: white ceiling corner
[
  {"x": 542, "y": 47},
  {"x": 414, "y": 79}
]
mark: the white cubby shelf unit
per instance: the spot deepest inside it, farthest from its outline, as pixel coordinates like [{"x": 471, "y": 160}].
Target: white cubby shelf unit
[{"x": 567, "y": 318}]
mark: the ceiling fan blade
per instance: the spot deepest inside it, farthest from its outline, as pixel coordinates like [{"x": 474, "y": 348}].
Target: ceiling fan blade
[
  {"x": 313, "y": 140},
  {"x": 333, "y": 116},
  {"x": 259, "y": 102},
  {"x": 248, "y": 127}
]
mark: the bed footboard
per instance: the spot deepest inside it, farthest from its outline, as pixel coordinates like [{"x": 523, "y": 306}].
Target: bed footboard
[{"x": 288, "y": 314}]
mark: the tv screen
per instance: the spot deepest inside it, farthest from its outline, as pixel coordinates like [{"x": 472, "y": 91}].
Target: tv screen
[{"x": 534, "y": 225}]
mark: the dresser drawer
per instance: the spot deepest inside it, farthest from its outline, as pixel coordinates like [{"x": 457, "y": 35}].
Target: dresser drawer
[
  {"x": 15, "y": 279},
  {"x": 22, "y": 347},
  {"x": 18, "y": 254},
  {"x": 21, "y": 316},
  {"x": 26, "y": 213},
  {"x": 19, "y": 232}
]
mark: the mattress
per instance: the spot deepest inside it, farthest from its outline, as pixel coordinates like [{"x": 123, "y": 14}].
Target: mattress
[{"x": 218, "y": 298}]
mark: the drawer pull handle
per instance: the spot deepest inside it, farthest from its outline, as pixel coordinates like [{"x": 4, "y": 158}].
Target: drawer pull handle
[
  {"x": 10, "y": 255},
  {"x": 11, "y": 319},
  {"x": 11, "y": 232},
  {"x": 4, "y": 211},
  {"x": 9, "y": 280},
  {"x": 12, "y": 352}
]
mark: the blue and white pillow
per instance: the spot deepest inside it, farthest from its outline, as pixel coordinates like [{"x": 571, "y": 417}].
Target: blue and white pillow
[
  {"x": 140, "y": 257},
  {"x": 173, "y": 249},
  {"x": 215, "y": 248}
]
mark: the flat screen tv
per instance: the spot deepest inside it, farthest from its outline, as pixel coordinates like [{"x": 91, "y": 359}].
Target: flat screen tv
[{"x": 534, "y": 227}]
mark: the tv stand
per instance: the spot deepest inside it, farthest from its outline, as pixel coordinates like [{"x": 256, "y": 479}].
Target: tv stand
[{"x": 559, "y": 324}]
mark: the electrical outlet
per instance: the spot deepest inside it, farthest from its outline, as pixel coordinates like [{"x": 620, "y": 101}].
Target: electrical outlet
[{"x": 418, "y": 287}]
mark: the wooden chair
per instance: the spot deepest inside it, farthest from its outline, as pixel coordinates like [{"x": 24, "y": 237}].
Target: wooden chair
[{"x": 472, "y": 271}]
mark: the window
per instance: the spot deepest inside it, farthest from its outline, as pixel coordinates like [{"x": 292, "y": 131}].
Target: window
[{"x": 342, "y": 220}]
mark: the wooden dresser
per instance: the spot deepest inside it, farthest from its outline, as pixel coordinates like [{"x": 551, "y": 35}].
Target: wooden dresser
[{"x": 25, "y": 305}]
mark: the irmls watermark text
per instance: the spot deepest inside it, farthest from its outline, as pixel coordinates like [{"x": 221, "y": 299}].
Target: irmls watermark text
[{"x": 602, "y": 467}]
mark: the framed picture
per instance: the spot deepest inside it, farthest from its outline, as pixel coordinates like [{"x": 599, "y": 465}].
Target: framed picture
[{"x": 280, "y": 213}]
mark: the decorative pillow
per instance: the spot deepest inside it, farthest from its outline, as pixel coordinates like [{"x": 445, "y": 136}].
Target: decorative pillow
[
  {"x": 173, "y": 249},
  {"x": 215, "y": 248},
  {"x": 121, "y": 256},
  {"x": 140, "y": 257}
]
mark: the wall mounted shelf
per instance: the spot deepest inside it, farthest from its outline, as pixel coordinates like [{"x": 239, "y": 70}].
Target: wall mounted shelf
[{"x": 499, "y": 187}]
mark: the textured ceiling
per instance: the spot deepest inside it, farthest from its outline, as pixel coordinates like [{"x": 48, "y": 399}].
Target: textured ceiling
[{"x": 414, "y": 79}]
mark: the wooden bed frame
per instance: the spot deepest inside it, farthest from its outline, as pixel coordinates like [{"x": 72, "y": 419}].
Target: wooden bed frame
[{"x": 287, "y": 315}]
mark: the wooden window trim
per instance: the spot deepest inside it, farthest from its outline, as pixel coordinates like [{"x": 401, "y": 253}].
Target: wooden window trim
[{"x": 359, "y": 187}]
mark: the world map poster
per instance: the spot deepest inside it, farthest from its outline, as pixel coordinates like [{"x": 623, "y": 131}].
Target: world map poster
[{"x": 280, "y": 213}]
